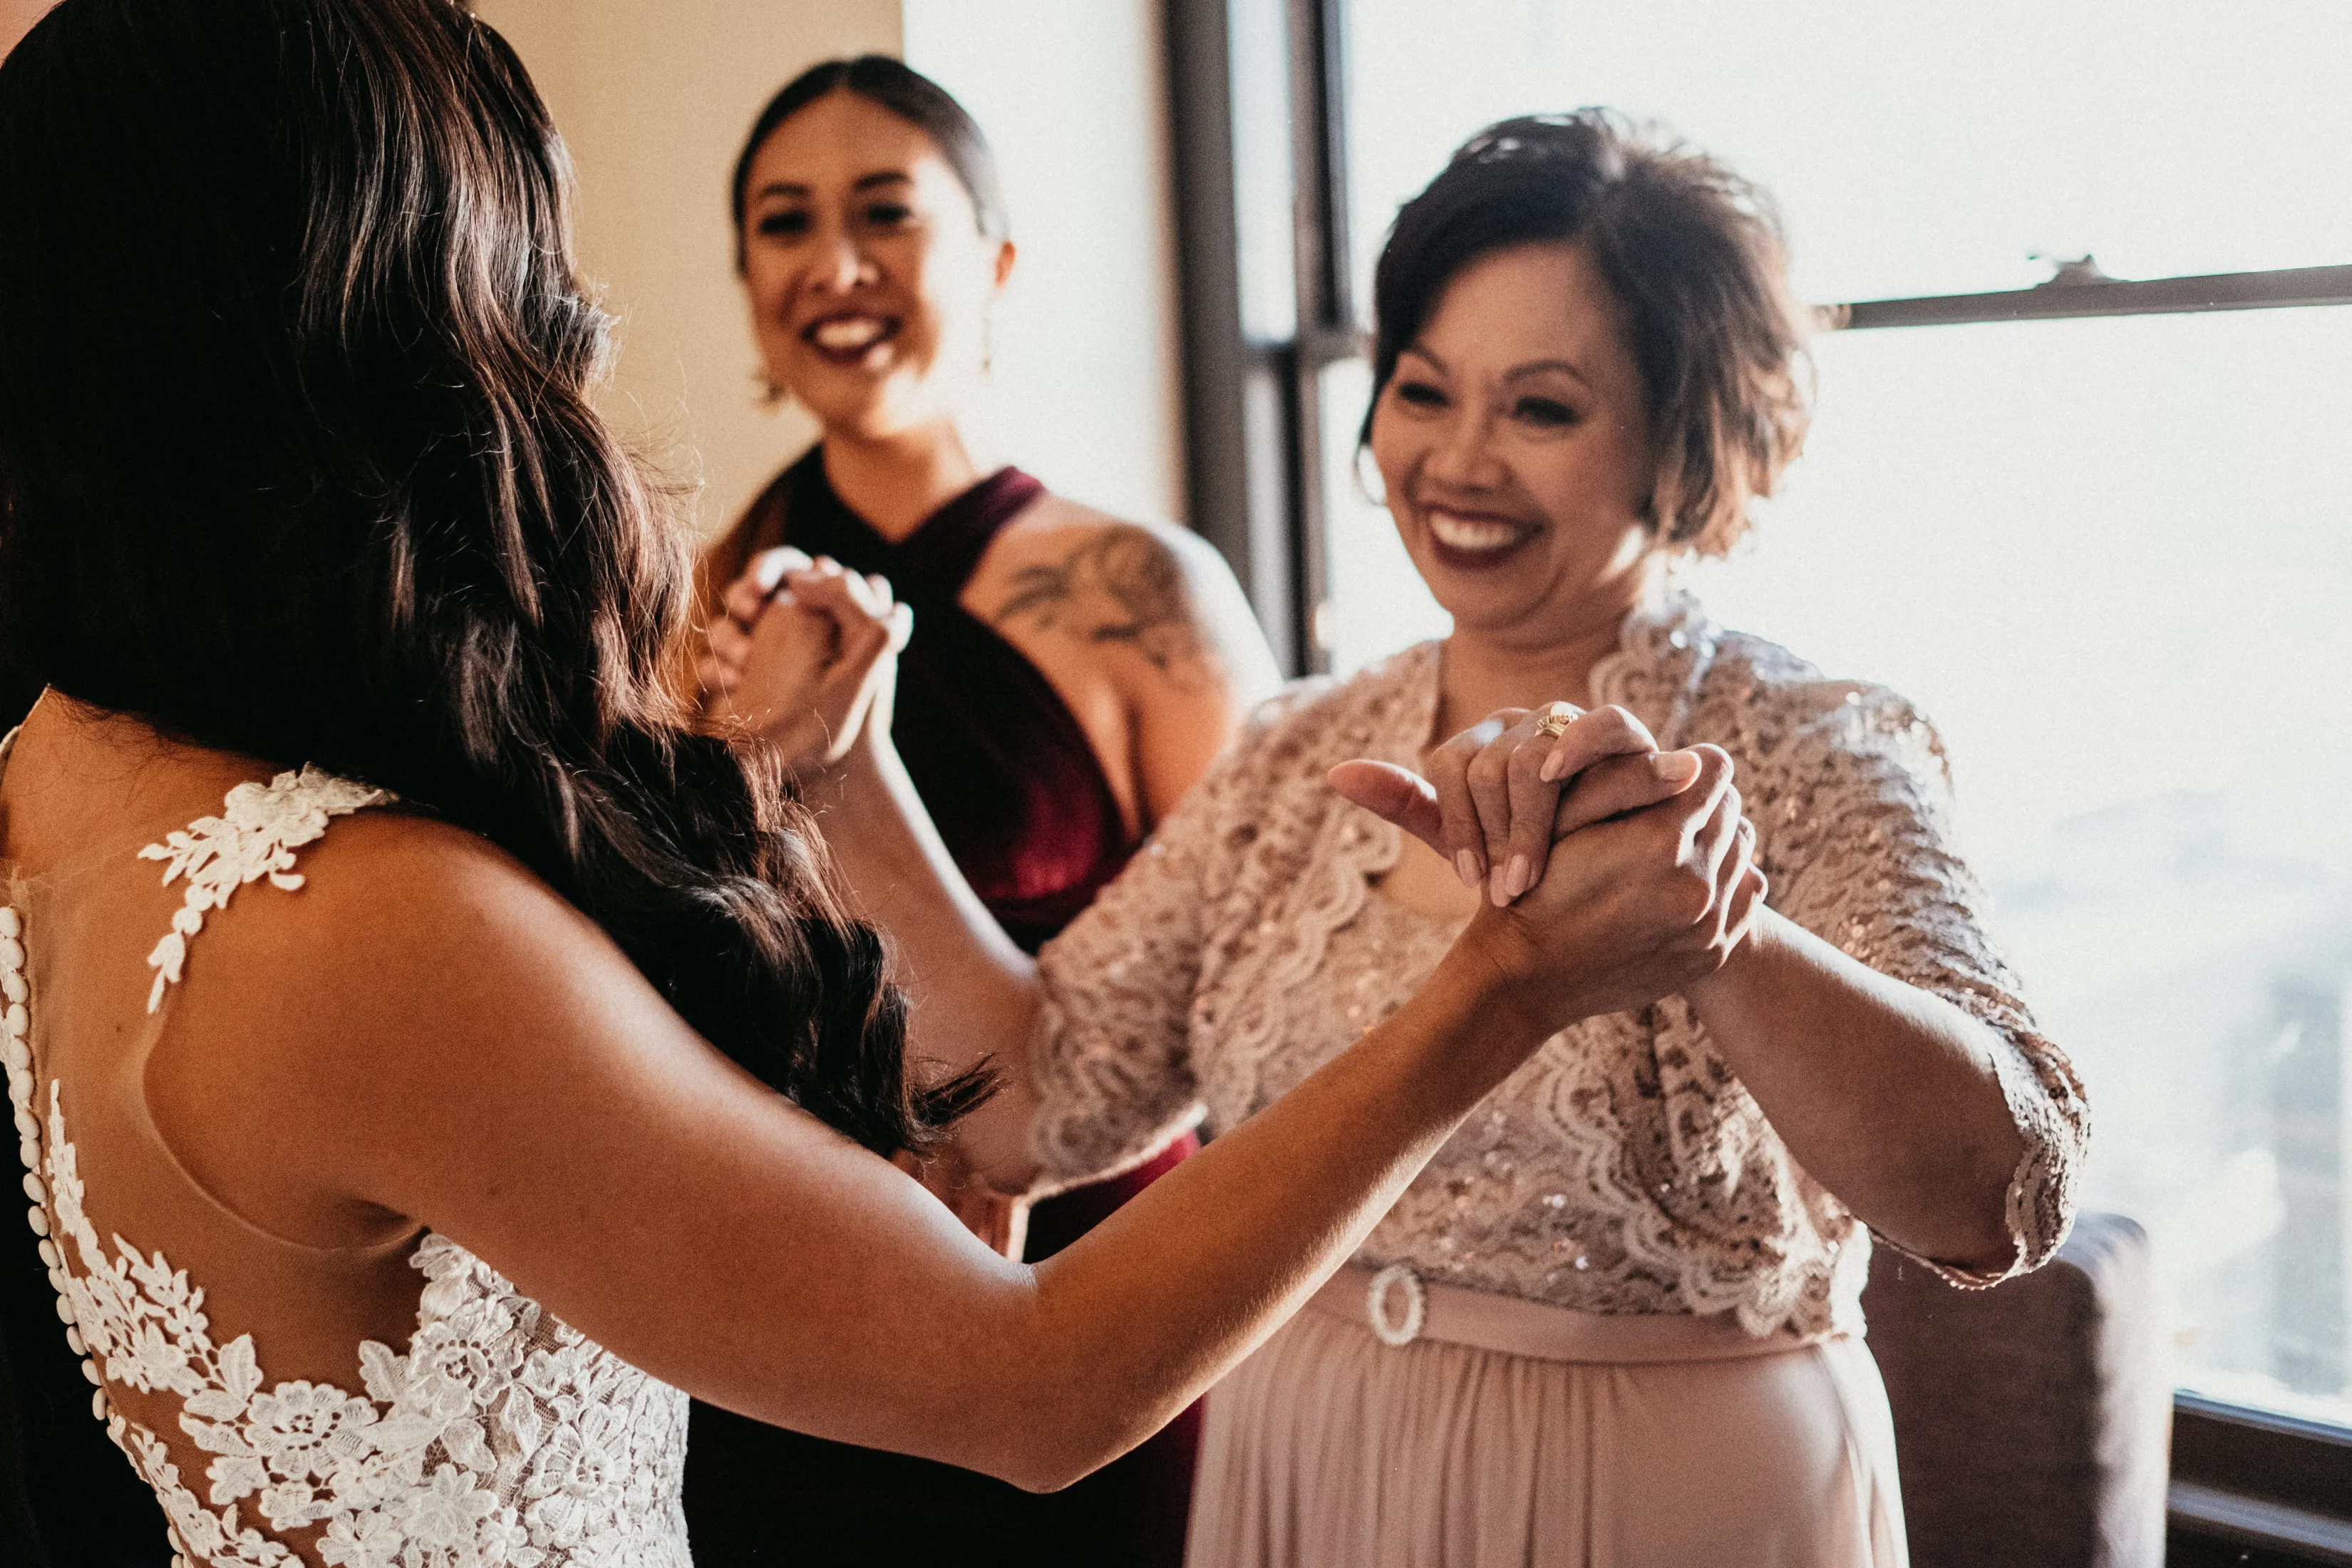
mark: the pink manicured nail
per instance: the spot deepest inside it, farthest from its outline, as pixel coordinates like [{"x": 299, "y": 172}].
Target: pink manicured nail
[
  {"x": 1522, "y": 874},
  {"x": 1467, "y": 864},
  {"x": 1551, "y": 766},
  {"x": 1675, "y": 767}
]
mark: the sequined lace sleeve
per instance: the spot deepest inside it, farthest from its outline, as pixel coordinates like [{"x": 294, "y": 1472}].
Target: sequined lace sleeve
[
  {"x": 1110, "y": 1059},
  {"x": 1856, "y": 831}
]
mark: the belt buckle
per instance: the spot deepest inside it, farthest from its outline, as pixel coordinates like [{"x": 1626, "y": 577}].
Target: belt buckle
[{"x": 1416, "y": 1305}]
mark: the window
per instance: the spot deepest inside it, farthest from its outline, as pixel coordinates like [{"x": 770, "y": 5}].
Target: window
[
  {"x": 1915, "y": 152},
  {"x": 2101, "y": 532}
]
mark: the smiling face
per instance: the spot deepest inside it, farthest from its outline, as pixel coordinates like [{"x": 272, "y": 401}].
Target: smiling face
[
  {"x": 1513, "y": 441},
  {"x": 868, "y": 277}
]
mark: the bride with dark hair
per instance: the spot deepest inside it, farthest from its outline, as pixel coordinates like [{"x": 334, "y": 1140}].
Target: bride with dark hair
[{"x": 430, "y": 1058}]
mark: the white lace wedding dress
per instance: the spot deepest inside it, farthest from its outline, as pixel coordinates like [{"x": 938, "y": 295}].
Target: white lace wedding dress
[{"x": 495, "y": 1438}]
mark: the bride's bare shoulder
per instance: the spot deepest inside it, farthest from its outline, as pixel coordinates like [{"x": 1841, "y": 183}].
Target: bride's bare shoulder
[
  {"x": 340, "y": 973},
  {"x": 366, "y": 939},
  {"x": 398, "y": 906},
  {"x": 417, "y": 994}
]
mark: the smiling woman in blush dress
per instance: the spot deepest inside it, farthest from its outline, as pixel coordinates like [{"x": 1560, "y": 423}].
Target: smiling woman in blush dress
[
  {"x": 1069, "y": 676},
  {"x": 1618, "y": 1320}
]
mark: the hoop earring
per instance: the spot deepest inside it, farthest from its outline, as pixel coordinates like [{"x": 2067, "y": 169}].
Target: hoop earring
[{"x": 1371, "y": 489}]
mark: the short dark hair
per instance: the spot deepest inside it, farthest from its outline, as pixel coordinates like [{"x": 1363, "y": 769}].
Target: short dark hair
[
  {"x": 1692, "y": 251},
  {"x": 906, "y": 92}
]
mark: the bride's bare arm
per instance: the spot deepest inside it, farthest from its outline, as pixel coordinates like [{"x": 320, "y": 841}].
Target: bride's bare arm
[
  {"x": 973, "y": 992},
  {"x": 467, "y": 1050}
]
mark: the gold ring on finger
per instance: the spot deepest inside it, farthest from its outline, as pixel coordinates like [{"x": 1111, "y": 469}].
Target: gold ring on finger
[{"x": 1556, "y": 718}]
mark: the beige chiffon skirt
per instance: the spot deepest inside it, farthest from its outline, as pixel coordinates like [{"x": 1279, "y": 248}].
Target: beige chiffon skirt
[{"x": 1330, "y": 1448}]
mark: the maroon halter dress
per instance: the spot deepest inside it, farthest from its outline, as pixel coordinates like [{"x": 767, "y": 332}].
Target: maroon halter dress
[{"x": 1021, "y": 802}]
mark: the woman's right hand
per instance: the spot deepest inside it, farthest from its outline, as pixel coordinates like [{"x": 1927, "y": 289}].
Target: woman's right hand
[
  {"x": 804, "y": 655},
  {"x": 1634, "y": 909},
  {"x": 1628, "y": 909}
]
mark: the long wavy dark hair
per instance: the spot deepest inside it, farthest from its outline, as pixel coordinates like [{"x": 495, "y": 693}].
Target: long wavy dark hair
[{"x": 296, "y": 461}]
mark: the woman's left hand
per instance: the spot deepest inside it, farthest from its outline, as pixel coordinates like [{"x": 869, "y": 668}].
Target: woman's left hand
[
  {"x": 804, "y": 655},
  {"x": 1512, "y": 784},
  {"x": 727, "y": 637}
]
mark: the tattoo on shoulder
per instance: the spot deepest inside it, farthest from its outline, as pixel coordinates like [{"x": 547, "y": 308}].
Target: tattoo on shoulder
[{"x": 1123, "y": 586}]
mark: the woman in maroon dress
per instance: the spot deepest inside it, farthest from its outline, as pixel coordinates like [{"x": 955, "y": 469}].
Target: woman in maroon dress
[{"x": 1069, "y": 675}]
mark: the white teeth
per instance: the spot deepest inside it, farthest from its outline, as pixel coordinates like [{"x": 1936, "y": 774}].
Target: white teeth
[
  {"x": 847, "y": 334},
  {"x": 1471, "y": 533}
]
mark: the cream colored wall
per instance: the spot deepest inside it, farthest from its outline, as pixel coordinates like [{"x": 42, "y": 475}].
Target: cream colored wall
[
  {"x": 1089, "y": 390},
  {"x": 654, "y": 100}
]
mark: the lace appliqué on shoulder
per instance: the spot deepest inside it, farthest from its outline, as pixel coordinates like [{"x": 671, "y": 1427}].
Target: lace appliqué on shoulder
[
  {"x": 503, "y": 1439},
  {"x": 256, "y": 836}
]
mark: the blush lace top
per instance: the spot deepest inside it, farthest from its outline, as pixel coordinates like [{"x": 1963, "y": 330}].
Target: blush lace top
[
  {"x": 494, "y": 1438},
  {"x": 1623, "y": 1169}
]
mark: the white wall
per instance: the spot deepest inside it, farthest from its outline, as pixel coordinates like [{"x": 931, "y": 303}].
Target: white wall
[
  {"x": 1089, "y": 390},
  {"x": 654, "y": 100}
]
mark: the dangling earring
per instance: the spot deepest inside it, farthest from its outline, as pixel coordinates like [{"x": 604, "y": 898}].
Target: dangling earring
[
  {"x": 988, "y": 342},
  {"x": 771, "y": 396},
  {"x": 1371, "y": 488}
]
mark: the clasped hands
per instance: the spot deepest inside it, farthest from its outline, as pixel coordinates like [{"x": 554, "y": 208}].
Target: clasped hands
[
  {"x": 804, "y": 655},
  {"x": 1612, "y": 873}
]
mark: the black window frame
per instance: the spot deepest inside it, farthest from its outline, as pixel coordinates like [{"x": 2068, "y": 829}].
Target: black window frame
[{"x": 2248, "y": 1486}]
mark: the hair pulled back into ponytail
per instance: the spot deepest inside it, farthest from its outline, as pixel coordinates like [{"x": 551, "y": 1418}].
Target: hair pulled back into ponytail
[{"x": 296, "y": 461}]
